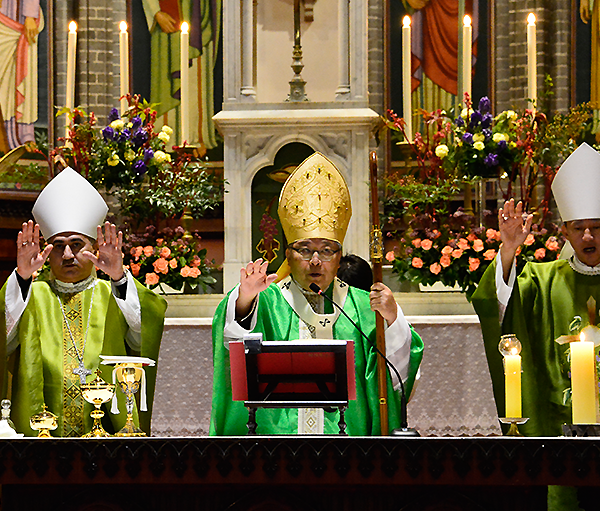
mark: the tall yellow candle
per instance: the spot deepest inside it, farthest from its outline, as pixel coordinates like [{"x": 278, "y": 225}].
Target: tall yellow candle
[
  {"x": 70, "y": 87},
  {"x": 512, "y": 385},
  {"x": 406, "y": 76},
  {"x": 467, "y": 55},
  {"x": 531, "y": 61},
  {"x": 124, "y": 64},
  {"x": 185, "y": 82},
  {"x": 583, "y": 382}
]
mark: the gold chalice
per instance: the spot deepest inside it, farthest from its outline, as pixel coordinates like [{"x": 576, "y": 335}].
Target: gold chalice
[
  {"x": 129, "y": 376},
  {"x": 44, "y": 422},
  {"x": 97, "y": 392}
]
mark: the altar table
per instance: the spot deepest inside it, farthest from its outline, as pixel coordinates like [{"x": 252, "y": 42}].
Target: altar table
[{"x": 294, "y": 473}]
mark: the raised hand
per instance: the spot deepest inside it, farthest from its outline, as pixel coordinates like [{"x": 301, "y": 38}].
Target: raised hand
[
  {"x": 29, "y": 257},
  {"x": 110, "y": 254},
  {"x": 382, "y": 301},
  {"x": 253, "y": 280},
  {"x": 514, "y": 229}
]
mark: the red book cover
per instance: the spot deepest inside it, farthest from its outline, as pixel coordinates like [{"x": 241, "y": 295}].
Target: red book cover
[
  {"x": 171, "y": 7},
  {"x": 239, "y": 381}
]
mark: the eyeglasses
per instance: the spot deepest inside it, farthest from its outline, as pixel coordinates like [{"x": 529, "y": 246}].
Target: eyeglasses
[{"x": 324, "y": 255}]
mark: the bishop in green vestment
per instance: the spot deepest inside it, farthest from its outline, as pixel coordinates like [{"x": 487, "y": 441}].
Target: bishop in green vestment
[
  {"x": 56, "y": 328},
  {"x": 314, "y": 209},
  {"x": 541, "y": 302}
]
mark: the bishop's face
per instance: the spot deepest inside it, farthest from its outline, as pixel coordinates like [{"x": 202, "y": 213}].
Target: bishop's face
[
  {"x": 584, "y": 236},
  {"x": 305, "y": 258},
  {"x": 65, "y": 261}
]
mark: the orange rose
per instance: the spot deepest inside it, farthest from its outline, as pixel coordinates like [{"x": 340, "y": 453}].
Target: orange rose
[
  {"x": 148, "y": 251},
  {"x": 529, "y": 240},
  {"x": 390, "y": 256},
  {"x": 552, "y": 244},
  {"x": 491, "y": 234},
  {"x": 457, "y": 253},
  {"x": 539, "y": 254},
  {"x": 426, "y": 244},
  {"x": 194, "y": 272},
  {"x": 445, "y": 261},
  {"x": 489, "y": 255},
  {"x": 416, "y": 262},
  {"x": 161, "y": 265},
  {"x": 185, "y": 271},
  {"x": 165, "y": 252},
  {"x": 471, "y": 237},
  {"x": 151, "y": 279},
  {"x": 447, "y": 250},
  {"x": 159, "y": 241},
  {"x": 436, "y": 234},
  {"x": 435, "y": 268},
  {"x": 173, "y": 263},
  {"x": 478, "y": 245},
  {"x": 135, "y": 269},
  {"x": 196, "y": 261},
  {"x": 463, "y": 244},
  {"x": 518, "y": 251},
  {"x": 416, "y": 243},
  {"x": 474, "y": 263}
]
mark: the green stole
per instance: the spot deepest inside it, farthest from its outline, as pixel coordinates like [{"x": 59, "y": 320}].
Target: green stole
[
  {"x": 277, "y": 321},
  {"x": 545, "y": 299},
  {"x": 42, "y": 366}
]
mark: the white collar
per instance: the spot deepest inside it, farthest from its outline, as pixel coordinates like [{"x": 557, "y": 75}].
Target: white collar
[
  {"x": 73, "y": 287},
  {"x": 583, "y": 268}
]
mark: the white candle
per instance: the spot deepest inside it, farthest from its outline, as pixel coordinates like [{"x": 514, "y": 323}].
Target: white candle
[
  {"x": 531, "y": 61},
  {"x": 467, "y": 56},
  {"x": 406, "y": 76},
  {"x": 512, "y": 385},
  {"x": 124, "y": 65},
  {"x": 70, "y": 92},
  {"x": 185, "y": 84},
  {"x": 583, "y": 382}
]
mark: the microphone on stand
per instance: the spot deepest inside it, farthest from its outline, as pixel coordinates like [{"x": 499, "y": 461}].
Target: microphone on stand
[{"x": 403, "y": 430}]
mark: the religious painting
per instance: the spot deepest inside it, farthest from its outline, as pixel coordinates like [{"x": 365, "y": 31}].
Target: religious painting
[
  {"x": 25, "y": 105},
  {"x": 156, "y": 65},
  {"x": 435, "y": 42}
]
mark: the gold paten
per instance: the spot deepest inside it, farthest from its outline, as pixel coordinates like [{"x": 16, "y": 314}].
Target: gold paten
[
  {"x": 129, "y": 377},
  {"x": 97, "y": 392},
  {"x": 44, "y": 422},
  {"x": 315, "y": 202}
]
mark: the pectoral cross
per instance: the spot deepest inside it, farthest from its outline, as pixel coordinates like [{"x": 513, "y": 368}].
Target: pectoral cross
[{"x": 82, "y": 372}]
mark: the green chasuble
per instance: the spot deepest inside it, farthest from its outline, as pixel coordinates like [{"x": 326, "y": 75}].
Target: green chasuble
[
  {"x": 42, "y": 366},
  {"x": 277, "y": 321},
  {"x": 545, "y": 299}
]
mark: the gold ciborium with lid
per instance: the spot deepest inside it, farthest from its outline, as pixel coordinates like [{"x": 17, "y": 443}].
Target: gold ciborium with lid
[
  {"x": 44, "y": 422},
  {"x": 97, "y": 392}
]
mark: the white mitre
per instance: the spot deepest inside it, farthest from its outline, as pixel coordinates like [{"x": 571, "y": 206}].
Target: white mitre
[
  {"x": 69, "y": 203},
  {"x": 576, "y": 186}
]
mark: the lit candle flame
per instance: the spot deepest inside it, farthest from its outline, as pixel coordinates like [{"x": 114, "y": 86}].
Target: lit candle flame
[
  {"x": 514, "y": 351},
  {"x": 582, "y": 337},
  {"x": 467, "y": 20},
  {"x": 72, "y": 27},
  {"x": 123, "y": 26},
  {"x": 406, "y": 21},
  {"x": 185, "y": 27},
  {"x": 531, "y": 19}
]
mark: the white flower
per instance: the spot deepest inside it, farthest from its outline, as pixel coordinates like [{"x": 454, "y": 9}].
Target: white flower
[
  {"x": 441, "y": 151},
  {"x": 160, "y": 156},
  {"x": 465, "y": 113},
  {"x": 167, "y": 129},
  {"x": 480, "y": 146},
  {"x": 511, "y": 114},
  {"x": 164, "y": 136},
  {"x": 117, "y": 125},
  {"x": 499, "y": 137}
]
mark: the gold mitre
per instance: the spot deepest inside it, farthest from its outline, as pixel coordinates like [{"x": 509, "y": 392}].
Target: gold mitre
[{"x": 315, "y": 202}]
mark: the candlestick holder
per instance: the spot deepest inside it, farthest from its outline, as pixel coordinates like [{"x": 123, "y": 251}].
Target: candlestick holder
[
  {"x": 514, "y": 422},
  {"x": 581, "y": 429}
]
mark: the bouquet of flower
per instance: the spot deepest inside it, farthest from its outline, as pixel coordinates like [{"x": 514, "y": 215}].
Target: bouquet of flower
[
  {"x": 168, "y": 256},
  {"x": 455, "y": 253}
]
